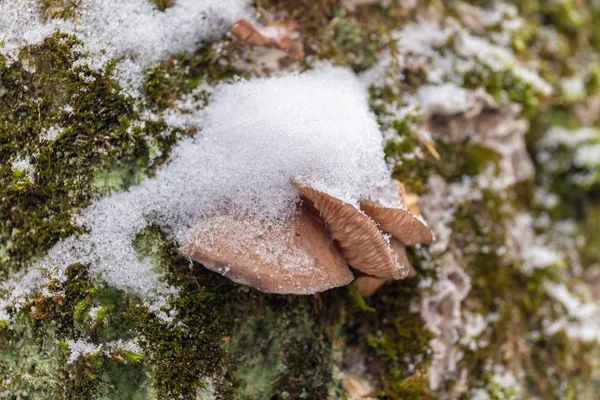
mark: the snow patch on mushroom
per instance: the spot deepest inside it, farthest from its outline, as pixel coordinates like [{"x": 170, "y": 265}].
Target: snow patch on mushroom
[{"x": 257, "y": 135}]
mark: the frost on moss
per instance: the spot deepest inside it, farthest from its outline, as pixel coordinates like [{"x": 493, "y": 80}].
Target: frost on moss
[{"x": 97, "y": 135}]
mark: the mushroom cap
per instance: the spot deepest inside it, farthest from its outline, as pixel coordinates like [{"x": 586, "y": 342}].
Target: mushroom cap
[
  {"x": 367, "y": 285},
  {"x": 300, "y": 258},
  {"x": 362, "y": 244},
  {"x": 399, "y": 222}
]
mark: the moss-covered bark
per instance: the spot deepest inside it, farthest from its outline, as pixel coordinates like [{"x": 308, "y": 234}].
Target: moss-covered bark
[{"x": 85, "y": 138}]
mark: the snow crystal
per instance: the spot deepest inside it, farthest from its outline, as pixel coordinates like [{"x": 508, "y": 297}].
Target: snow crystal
[
  {"x": 575, "y": 307},
  {"x": 421, "y": 38},
  {"x": 23, "y": 165},
  {"x": 587, "y": 155},
  {"x": 134, "y": 30},
  {"x": 498, "y": 58},
  {"x": 539, "y": 256},
  {"x": 79, "y": 348},
  {"x": 446, "y": 99},
  {"x": 257, "y": 135},
  {"x": 93, "y": 313},
  {"x": 121, "y": 345},
  {"x": 573, "y": 87},
  {"x": 561, "y": 136},
  {"x": 427, "y": 46},
  {"x": 51, "y": 133}
]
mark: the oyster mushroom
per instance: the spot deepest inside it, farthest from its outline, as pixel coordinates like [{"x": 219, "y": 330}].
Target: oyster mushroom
[
  {"x": 362, "y": 244},
  {"x": 399, "y": 222},
  {"x": 299, "y": 258},
  {"x": 367, "y": 285}
]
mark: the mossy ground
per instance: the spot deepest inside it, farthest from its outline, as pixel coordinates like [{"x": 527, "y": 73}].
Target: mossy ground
[{"x": 233, "y": 341}]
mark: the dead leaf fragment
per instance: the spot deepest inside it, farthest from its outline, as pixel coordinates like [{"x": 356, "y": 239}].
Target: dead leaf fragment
[{"x": 275, "y": 35}]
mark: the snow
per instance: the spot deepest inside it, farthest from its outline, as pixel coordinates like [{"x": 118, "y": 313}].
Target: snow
[
  {"x": 498, "y": 58},
  {"x": 571, "y": 138},
  {"x": 573, "y": 87},
  {"x": 446, "y": 51},
  {"x": 575, "y": 307},
  {"x": 135, "y": 30},
  {"x": 51, "y": 133},
  {"x": 257, "y": 135},
  {"x": 421, "y": 38},
  {"x": 449, "y": 99},
  {"x": 79, "y": 348},
  {"x": 23, "y": 165},
  {"x": 587, "y": 155},
  {"x": 539, "y": 256},
  {"x": 83, "y": 347},
  {"x": 582, "y": 319},
  {"x": 93, "y": 313}
]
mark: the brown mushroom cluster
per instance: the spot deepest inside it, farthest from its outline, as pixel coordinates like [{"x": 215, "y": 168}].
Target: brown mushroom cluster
[{"x": 312, "y": 253}]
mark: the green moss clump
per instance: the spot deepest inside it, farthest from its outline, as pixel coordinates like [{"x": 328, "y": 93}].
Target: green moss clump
[
  {"x": 293, "y": 355},
  {"x": 347, "y": 43},
  {"x": 59, "y": 8},
  {"x": 162, "y": 5},
  {"x": 97, "y": 137},
  {"x": 408, "y": 167},
  {"x": 166, "y": 82},
  {"x": 397, "y": 341},
  {"x": 30, "y": 359},
  {"x": 33, "y": 355},
  {"x": 504, "y": 85}
]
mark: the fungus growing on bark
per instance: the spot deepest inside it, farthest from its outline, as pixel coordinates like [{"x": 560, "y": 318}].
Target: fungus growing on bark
[
  {"x": 363, "y": 245},
  {"x": 300, "y": 259},
  {"x": 367, "y": 284},
  {"x": 398, "y": 222}
]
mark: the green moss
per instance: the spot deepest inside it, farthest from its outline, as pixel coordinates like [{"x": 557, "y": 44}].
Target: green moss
[
  {"x": 59, "y": 8},
  {"x": 166, "y": 82},
  {"x": 396, "y": 341},
  {"x": 346, "y": 43},
  {"x": 30, "y": 359},
  {"x": 98, "y": 150},
  {"x": 291, "y": 357},
  {"x": 504, "y": 85},
  {"x": 162, "y": 5},
  {"x": 463, "y": 159}
]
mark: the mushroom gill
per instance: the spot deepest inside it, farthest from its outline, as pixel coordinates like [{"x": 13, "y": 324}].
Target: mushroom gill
[
  {"x": 399, "y": 222},
  {"x": 362, "y": 244},
  {"x": 303, "y": 256},
  {"x": 367, "y": 285},
  {"x": 298, "y": 259}
]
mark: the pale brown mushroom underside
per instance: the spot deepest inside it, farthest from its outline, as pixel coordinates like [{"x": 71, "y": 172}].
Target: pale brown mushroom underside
[
  {"x": 361, "y": 242},
  {"x": 398, "y": 222},
  {"x": 218, "y": 246},
  {"x": 399, "y": 252},
  {"x": 367, "y": 285}
]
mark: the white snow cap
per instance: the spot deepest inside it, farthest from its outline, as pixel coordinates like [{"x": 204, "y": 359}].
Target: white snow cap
[{"x": 257, "y": 135}]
